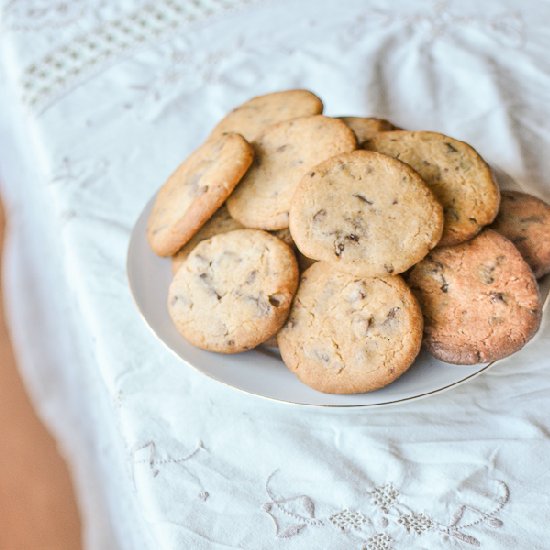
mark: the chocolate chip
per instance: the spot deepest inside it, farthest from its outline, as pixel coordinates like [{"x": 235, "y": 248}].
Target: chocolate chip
[
  {"x": 393, "y": 312},
  {"x": 451, "y": 212},
  {"x": 486, "y": 275},
  {"x": 311, "y": 174},
  {"x": 319, "y": 215},
  {"x": 389, "y": 268},
  {"x": 450, "y": 148},
  {"x": 497, "y": 297},
  {"x": 362, "y": 198},
  {"x": 445, "y": 288},
  {"x": 395, "y": 201},
  {"x": 323, "y": 356},
  {"x": 275, "y": 300}
]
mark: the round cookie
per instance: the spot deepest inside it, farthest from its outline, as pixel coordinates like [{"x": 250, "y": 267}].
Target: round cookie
[
  {"x": 367, "y": 128},
  {"x": 196, "y": 190},
  {"x": 252, "y": 117},
  {"x": 525, "y": 220},
  {"x": 460, "y": 179},
  {"x": 233, "y": 291},
  {"x": 365, "y": 213},
  {"x": 479, "y": 299},
  {"x": 284, "y": 153},
  {"x": 348, "y": 334},
  {"x": 220, "y": 222}
]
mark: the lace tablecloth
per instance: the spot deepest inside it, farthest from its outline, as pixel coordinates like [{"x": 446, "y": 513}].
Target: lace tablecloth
[{"x": 99, "y": 103}]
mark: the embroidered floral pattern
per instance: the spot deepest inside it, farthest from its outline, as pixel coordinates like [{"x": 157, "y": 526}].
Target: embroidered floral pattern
[
  {"x": 384, "y": 508},
  {"x": 68, "y": 65},
  {"x": 155, "y": 462},
  {"x": 348, "y": 519},
  {"x": 384, "y": 497},
  {"x": 415, "y": 523},
  {"x": 188, "y": 69},
  {"x": 65, "y": 67},
  {"x": 25, "y": 15},
  {"x": 380, "y": 541},
  {"x": 508, "y": 27}
]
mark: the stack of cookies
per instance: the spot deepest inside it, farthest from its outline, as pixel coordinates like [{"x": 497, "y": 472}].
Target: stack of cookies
[{"x": 347, "y": 242}]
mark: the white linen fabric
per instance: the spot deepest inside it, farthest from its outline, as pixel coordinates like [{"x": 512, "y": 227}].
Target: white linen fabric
[{"x": 99, "y": 102}]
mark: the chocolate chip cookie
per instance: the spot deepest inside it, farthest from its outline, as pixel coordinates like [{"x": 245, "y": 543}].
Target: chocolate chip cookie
[
  {"x": 196, "y": 190},
  {"x": 284, "y": 153},
  {"x": 348, "y": 334},
  {"x": 367, "y": 128},
  {"x": 365, "y": 213},
  {"x": 458, "y": 176},
  {"x": 480, "y": 300},
  {"x": 220, "y": 222},
  {"x": 233, "y": 291},
  {"x": 255, "y": 115},
  {"x": 525, "y": 220}
]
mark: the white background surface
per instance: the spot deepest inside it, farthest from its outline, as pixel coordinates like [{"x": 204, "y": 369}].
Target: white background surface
[{"x": 99, "y": 103}]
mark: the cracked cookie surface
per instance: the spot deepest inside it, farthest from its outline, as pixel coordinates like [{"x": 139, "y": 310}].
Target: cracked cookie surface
[
  {"x": 365, "y": 213},
  {"x": 349, "y": 334},
  {"x": 255, "y": 115},
  {"x": 480, "y": 300},
  {"x": 284, "y": 153},
  {"x": 233, "y": 291},
  {"x": 366, "y": 128},
  {"x": 220, "y": 222},
  {"x": 525, "y": 220},
  {"x": 197, "y": 188},
  {"x": 460, "y": 179}
]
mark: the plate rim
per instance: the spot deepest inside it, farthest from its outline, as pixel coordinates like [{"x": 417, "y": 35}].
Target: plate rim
[{"x": 310, "y": 406}]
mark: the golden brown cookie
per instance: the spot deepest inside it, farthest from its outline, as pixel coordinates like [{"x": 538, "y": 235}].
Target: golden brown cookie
[
  {"x": 233, "y": 291},
  {"x": 284, "y": 153},
  {"x": 479, "y": 299},
  {"x": 255, "y": 115},
  {"x": 525, "y": 220},
  {"x": 348, "y": 334},
  {"x": 220, "y": 222},
  {"x": 366, "y": 128},
  {"x": 365, "y": 213},
  {"x": 460, "y": 179},
  {"x": 196, "y": 190}
]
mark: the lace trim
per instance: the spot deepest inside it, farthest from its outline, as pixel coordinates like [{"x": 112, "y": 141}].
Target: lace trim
[
  {"x": 387, "y": 516},
  {"x": 22, "y": 15},
  {"x": 58, "y": 72},
  {"x": 70, "y": 64}
]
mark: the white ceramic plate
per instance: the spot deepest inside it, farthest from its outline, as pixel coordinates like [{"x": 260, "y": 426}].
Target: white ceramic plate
[{"x": 261, "y": 371}]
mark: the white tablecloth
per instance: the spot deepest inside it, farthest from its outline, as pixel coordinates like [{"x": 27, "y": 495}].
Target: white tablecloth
[{"x": 98, "y": 104}]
